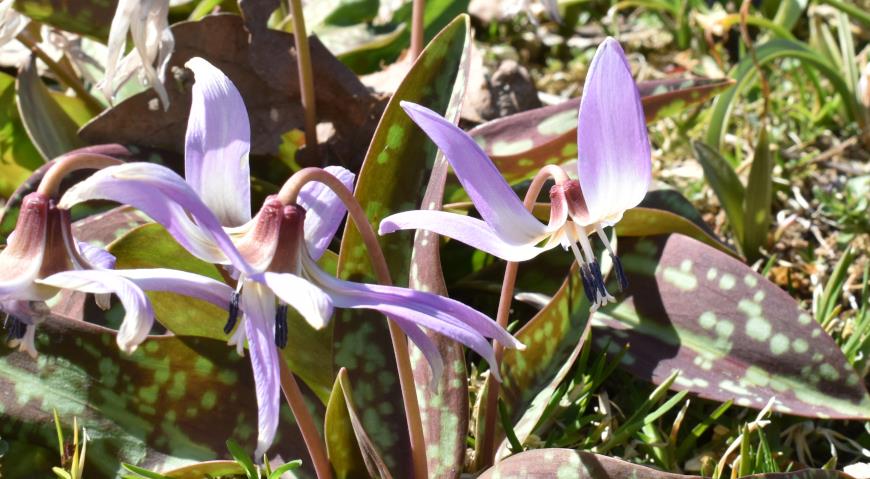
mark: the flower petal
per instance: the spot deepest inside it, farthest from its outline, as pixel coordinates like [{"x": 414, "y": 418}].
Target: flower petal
[
  {"x": 124, "y": 13},
  {"x": 614, "y": 163},
  {"x": 147, "y": 28},
  {"x": 468, "y": 230},
  {"x": 181, "y": 282},
  {"x": 138, "y": 317},
  {"x": 164, "y": 196},
  {"x": 21, "y": 260},
  {"x": 309, "y": 300},
  {"x": 96, "y": 256},
  {"x": 323, "y": 210},
  {"x": 258, "y": 304},
  {"x": 426, "y": 346},
  {"x": 497, "y": 203},
  {"x": 217, "y": 144}
]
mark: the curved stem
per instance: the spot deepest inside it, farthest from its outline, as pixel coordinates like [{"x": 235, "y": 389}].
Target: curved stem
[
  {"x": 306, "y": 76},
  {"x": 419, "y": 6},
  {"x": 312, "y": 439},
  {"x": 288, "y": 195},
  {"x": 93, "y": 105},
  {"x": 66, "y": 164},
  {"x": 487, "y": 449}
]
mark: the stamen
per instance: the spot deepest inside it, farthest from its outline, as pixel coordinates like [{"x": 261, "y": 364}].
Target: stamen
[
  {"x": 233, "y": 316},
  {"x": 281, "y": 326},
  {"x": 598, "y": 280},
  {"x": 621, "y": 279},
  {"x": 15, "y": 328},
  {"x": 588, "y": 288}
]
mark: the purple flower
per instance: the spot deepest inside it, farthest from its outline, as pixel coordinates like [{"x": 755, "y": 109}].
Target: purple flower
[
  {"x": 272, "y": 256},
  {"x": 42, "y": 257},
  {"x": 613, "y": 175}
]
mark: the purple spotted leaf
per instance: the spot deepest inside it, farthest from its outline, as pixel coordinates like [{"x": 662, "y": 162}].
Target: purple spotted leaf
[
  {"x": 521, "y": 144},
  {"x": 350, "y": 449},
  {"x": 732, "y": 333},
  {"x": 402, "y": 152},
  {"x": 173, "y": 401},
  {"x": 571, "y": 463},
  {"x": 553, "y": 339},
  {"x": 444, "y": 409},
  {"x": 586, "y": 465}
]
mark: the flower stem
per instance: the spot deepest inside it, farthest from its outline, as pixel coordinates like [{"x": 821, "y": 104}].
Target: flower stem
[
  {"x": 417, "y": 28},
  {"x": 288, "y": 195},
  {"x": 66, "y": 164},
  {"x": 306, "y": 76},
  {"x": 91, "y": 103},
  {"x": 486, "y": 452},
  {"x": 306, "y": 423}
]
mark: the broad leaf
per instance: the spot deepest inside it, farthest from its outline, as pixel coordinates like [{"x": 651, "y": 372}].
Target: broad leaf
[
  {"x": 351, "y": 452},
  {"x": 155, "y": 408},
  {"x": 399, "y": 151},
  {"x": 444, "y": 408},
  {"x": 574, "y": 464},
  {"x": 759, "y": 196},
  {"x": 726, "y": 184},
  {"x": 86, "y": 17},
  {"x": 732, "y": 333},
  {"x": 521, "y": 144},
  {"x": 52, "y": 131},
  {"x": 150, "y": 246},
  {"x": 18, "y": 157}
]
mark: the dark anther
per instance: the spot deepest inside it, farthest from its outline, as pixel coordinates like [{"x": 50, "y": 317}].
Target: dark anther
[
  {"x": 281, "y": 326},
  {"x": 588, "y": 288},
  {"x": 233, "y": 315},
  {"x": 598, "y": 280},
  {"x": 620, "y": 273},
  {"x": 15, "y": 328}
]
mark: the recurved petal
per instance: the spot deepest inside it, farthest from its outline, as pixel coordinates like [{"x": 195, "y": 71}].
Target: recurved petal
[
  {"x": 614, "y": 164},
  {"x": 138, "y": 316},
  {"x": 217, "y": 144},
  {"x": 468, "y": 230},
  {"x": 258, "y": 304},
  {"x": 497, "y": 203},
  {"x": 164, "y": 196},
  {"x": 323, "y": 210},
  {"x": 181, "y": 282},
  {"x": 125, "y": 11},
  {"x": 426, "y": 346},
  {"x": 96, "y": 256},
  {"x": 306, "y": 298}
]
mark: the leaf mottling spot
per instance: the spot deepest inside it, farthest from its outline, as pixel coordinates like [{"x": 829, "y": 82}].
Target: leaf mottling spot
[
  {"x": 569, "y": 150},
  {"x": 513, "y": 147},
  {"x": 805, "y": 319},
  {"x": 779, "y": 344},
  {"x": 829, "y": 372},
  {"x": 750, "y": 281},
  {"x": 800, "y": 345},
  {"x": 727, "y": 281},
  {"x": 712, "y": 273},
  {"x": 707, "y": 320},
  {"x": 681, "y": 278},
  {"x": 559, "y": 123},
  {"x": 724, "y": 328},
  {"x": 758, "y": 328}
]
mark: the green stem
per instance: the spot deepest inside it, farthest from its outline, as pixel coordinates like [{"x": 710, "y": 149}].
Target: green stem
[{"x": 306, "y": 76}]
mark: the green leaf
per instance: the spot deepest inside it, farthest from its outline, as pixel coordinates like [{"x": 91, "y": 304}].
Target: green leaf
[
  {"x": 52, "y": 131},
  {"x": 61, "y": 473},
  {"x": 155, "y": 408},
  {"x": 725, "y": 183},
  {"x": 402, "y": 152},
  {"x": 86, "y": 17},
  {"x": 745, "y": 72},
  {"x": 350, "y": 449},
  {"x": 18, "y": 157},
  {"x": 206, "y": 469},
  {"x": 150, "y": 246},
  {"x": 732, "y": 333},
  {"x": 521, "y": 144},
  {"x": 276, "y": 474},
  {"x": 143, "y": 472},
  {"x": 351, "y": 12},
  {"x": 758, "y": 200},
  {"x": 241, "y": 456}
]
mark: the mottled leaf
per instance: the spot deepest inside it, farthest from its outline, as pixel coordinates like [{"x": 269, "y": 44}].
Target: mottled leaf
[
  {"x": 399, "y": 151},
  {"x": 732, "y": 333},
  {"x": 52, "y": 131},
  {"x": 521, "y": 144},
  {"x": 568, "y": 463},
  {"x": 351, "y": 452},
  {"x": 150, "y": 246},
  {"x": 172, "y": 402},
  {"x": 444, "y": 408},
  {"x": 86, "y": 17},
  {"x": 553, "y": 339}
]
